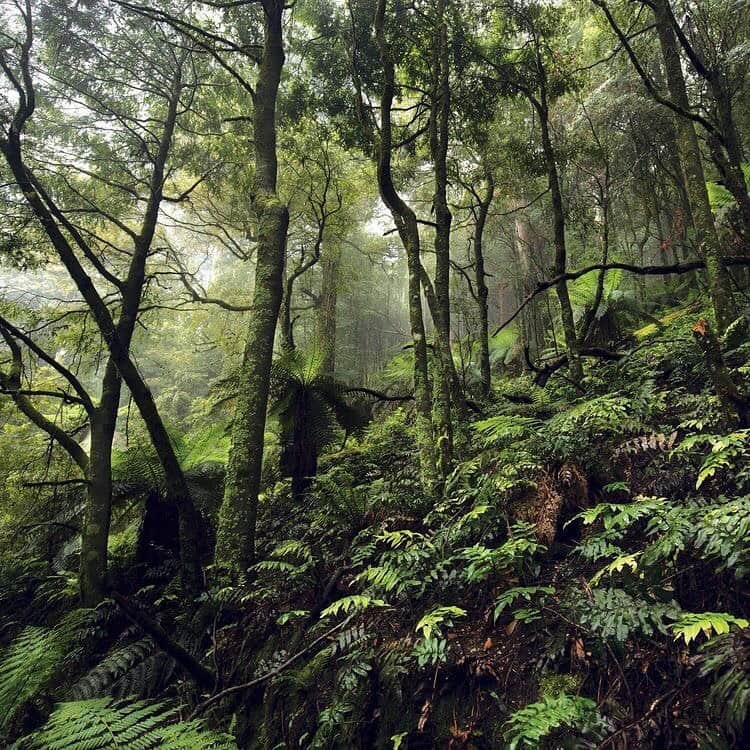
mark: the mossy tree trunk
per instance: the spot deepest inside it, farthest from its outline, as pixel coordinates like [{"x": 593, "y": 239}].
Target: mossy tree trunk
[
  {"x": 438, "y": 130},
  {"x": 707, "y": 240},
  {"x": 408, "y": 230},
  {"x": 558, "y": 220},
  {"x": 235, "y": 539},
  {"x": 96, "y": 522}
]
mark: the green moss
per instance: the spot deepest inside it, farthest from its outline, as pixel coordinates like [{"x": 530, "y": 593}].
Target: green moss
[
  {"x": 553, "y": 685},
  {"x": 308, "y": 674}
]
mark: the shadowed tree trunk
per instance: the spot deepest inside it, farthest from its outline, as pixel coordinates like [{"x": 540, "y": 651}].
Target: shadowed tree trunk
[
  {"x": 561, "y": 255},
  {"x": 235, "y": 538},
  {"x": 95, "y": 532},
  {"x": 480, "y": 277},
  {"x": 527, "y": 245}
]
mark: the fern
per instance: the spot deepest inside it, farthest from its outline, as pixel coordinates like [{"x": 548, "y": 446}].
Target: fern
[
  {"x": 611, "y": 413},
  {"x": 726, "y": 452},
  {"x": 432, "y": 621},
  {"x": 692, "y": 625},
  {"x": 504, "y": 429},
  {"x": 618, "y": 565},
  {"x": 620, "y": 515},
  {"x": 613, "y": 614},
  {"x": 351, "y": 605},
  {"x": 529, "y": 727},
  {"x": 725, "y": 659},
  {"x": 138, "y": 669},
  {"x": 33, "y": 660},
  {"x": 509, "y": 597},
  {"x": 481, "y": 561},
  {"x": 103, "y": 724}
]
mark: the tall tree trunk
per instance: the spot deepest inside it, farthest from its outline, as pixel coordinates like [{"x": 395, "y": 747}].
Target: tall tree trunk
[
  {"x": 439, "y": 120},
  {"x": 480, "y": 277},
  {"x": 526, "y": 246},
  {"x": 235, "y": 538},
  {"x": 326, "y": 313},
  {"x": 728, "y": 154},
  {"x": 408, "y": 229},
  {"x": 560, "y": 266},
  {"x": 286, "y": 322},
  {"x": 707, "y": 239},
  {"x": 726, "y": 142}
]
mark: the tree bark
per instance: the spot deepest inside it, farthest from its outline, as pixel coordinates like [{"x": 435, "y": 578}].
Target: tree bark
[
  {"x": 235, "y": 538},
  {"x": 95, "y": 531},
  {"x": 736, "y": 404}
]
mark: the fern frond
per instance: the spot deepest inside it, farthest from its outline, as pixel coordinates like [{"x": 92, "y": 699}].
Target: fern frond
[
  {"x": 103, "y": 724},
  {"x": 138, "y": 669},
  {"x": 32, "y": 660}
]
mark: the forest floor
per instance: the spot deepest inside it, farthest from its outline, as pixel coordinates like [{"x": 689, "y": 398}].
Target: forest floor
[{"x": 581, "y": 582}]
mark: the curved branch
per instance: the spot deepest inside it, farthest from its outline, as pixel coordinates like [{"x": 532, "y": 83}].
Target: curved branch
[{"x": 677, "y": 268}]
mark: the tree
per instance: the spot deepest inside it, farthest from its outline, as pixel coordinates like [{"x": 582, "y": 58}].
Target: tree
[
  {"x": 235, "y": 542},
  {"x": 136, "y": 183},
  {"x": 707, "y": 241}
]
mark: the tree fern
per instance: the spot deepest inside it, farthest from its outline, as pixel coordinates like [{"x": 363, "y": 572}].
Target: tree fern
[
  {"x": 103, "y": 724},
  {"x": 310, "y": 407}
]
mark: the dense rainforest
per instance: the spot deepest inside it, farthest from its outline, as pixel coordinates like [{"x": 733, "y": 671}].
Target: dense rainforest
[{"x": 374, "y": 374}]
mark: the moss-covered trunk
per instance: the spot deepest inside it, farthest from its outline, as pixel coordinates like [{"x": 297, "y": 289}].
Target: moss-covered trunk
[
  {"x": 480, "y": 277},
  {"x": 707, "y": 240},
  {"x": 561, "y": 255},
  {"x": 235, "y": 540},
  {"x": 95, "y": 532},
  {"x": 439, "y": 120},
  {"x": 408, "y": 229}
]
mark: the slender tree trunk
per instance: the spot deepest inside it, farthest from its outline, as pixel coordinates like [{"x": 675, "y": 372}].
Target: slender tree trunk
[
  {"x": 558, "y": 216},
  {"x": 726, "y": 144},
  {"x": 526, "y": 247},
  {"x": 235, "y": 538},
  {"x": 408, "y": 229},
  {"x": 439, "y": 120},
  {"x": 707, "y": 239},
  {"x": 728, "y": 156},
  {"x": 286, "y": 323},
  {"x": 326, "y": 313},
  {"x": 480, "y": 277}
]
